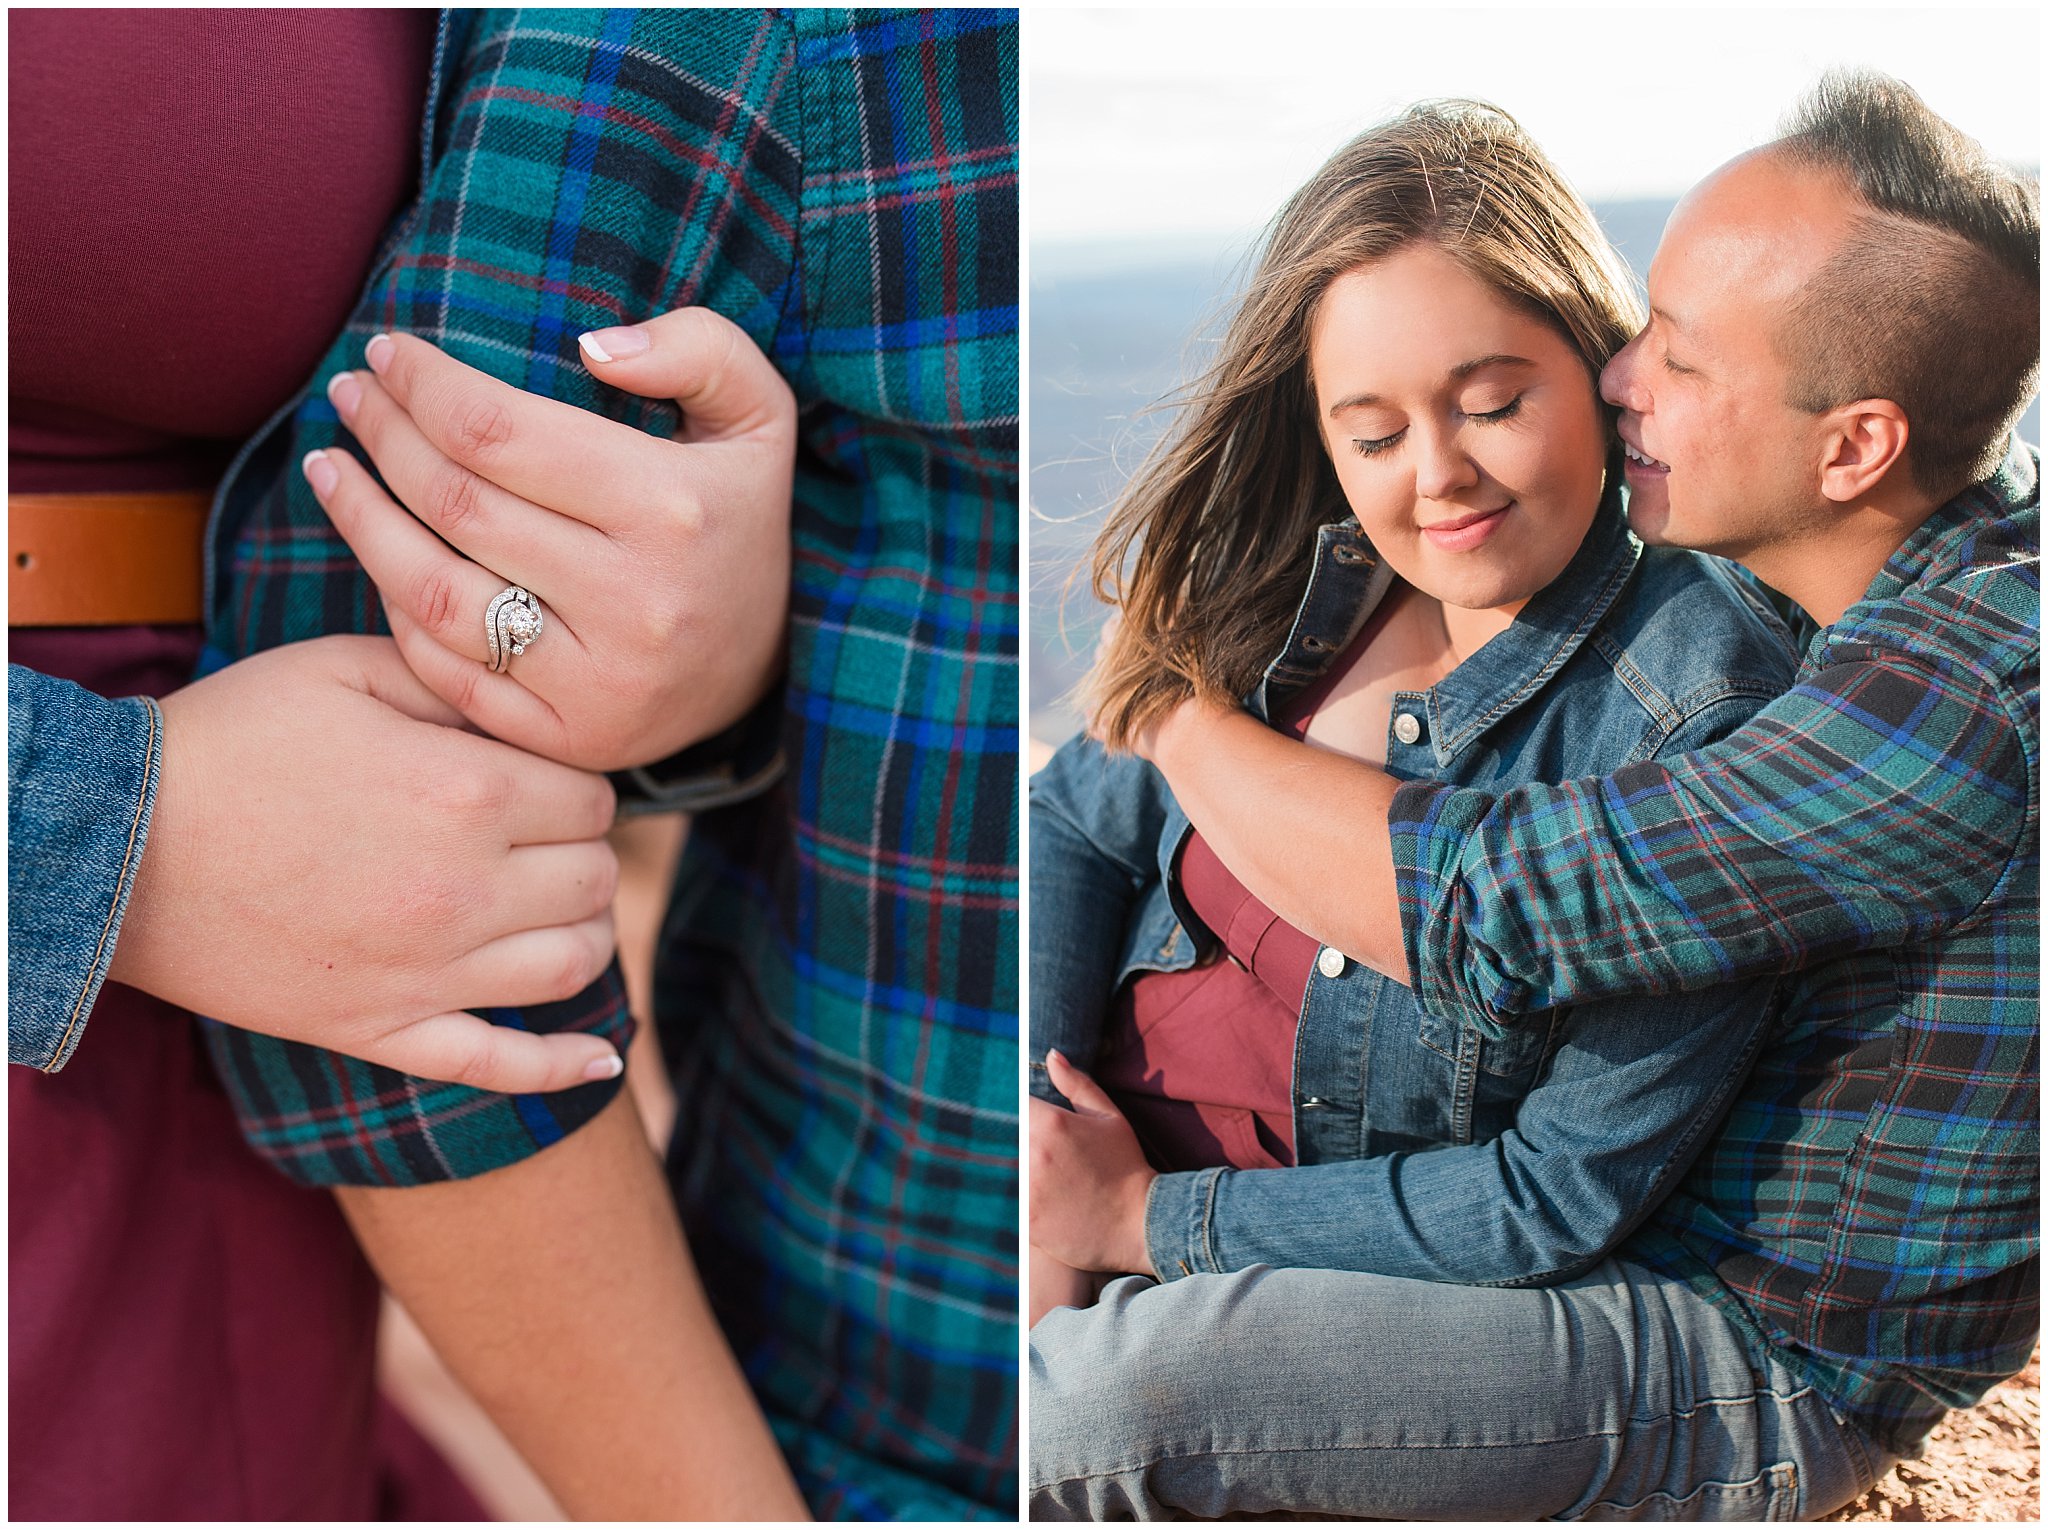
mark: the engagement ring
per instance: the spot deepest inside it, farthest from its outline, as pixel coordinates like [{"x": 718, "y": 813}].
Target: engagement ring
[{"x": 511, "y": 622}]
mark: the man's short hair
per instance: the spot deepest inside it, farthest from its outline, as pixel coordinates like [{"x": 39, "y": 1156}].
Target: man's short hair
[{"x": 1933, "y": 301}]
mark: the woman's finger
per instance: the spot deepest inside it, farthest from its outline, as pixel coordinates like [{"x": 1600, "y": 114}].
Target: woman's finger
[
  {"x": 497, "y": 703},
  {"x": 520, "y": 541},
  {"x": 536, "y": 966},
  {"x": 574, "y": 462},
  {"x": 710, "y": 366},
  {"x": 463, "y": 1049},
  {"x": 542, "y": 886},
  {"x": 1082, "y": 1092},
  {"x": 445, "y": 594}
]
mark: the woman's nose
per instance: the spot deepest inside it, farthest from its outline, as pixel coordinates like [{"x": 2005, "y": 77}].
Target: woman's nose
[{"x": 1443, "y": 467}]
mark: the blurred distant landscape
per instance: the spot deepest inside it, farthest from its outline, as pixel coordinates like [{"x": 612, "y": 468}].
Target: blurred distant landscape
[{"x": 1115, "y": 328}]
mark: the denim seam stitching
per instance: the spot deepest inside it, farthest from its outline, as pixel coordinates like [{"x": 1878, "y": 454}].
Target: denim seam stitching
[
  {"x": 120, "y": 884},
  {"x": 1691, "y": 707},
  {"x": 1699, "y": 1405},
  {"x": 1208, "y": 1226}
]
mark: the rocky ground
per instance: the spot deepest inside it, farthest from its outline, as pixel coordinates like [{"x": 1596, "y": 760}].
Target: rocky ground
[{"x": 1983, "y": 1467}]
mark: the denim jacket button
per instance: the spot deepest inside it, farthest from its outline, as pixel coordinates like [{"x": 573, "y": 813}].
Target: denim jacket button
[
  {"x": 1331, "y": 963},
  {"x": 1407, "y": 727},
  {"x": 1314, "y": 1102}
]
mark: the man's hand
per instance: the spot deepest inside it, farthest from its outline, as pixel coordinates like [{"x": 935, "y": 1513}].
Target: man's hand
[
  {"x": 1089, "y": 1178},
  {"x": 331, "y": 859},
  {"x": 662, "y": 567}
]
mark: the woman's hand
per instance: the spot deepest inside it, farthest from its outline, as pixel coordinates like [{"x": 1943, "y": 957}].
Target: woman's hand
[
  {"x": 334, "y": 860},
  {"x": 661, "y": 567},
  {"x": 1054, "y": 1283},
  {"x": 1089, "y": 1178}
]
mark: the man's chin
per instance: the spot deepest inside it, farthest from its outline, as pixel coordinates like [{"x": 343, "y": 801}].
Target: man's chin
[{"x": 1649, "y": 517}]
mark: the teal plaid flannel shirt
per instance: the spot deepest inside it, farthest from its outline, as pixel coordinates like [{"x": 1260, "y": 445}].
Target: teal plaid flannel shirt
[
  {"x": 1871, "y": 1207},
  {"x": 837, "y": 982}
]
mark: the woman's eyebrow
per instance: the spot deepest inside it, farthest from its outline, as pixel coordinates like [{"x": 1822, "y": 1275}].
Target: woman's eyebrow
[
  {"x": 1465, "y": 369},
  {"x": 1458, "y": 373}
]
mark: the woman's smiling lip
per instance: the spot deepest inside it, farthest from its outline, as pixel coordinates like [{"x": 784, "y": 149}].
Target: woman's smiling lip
[{"x": 1465, "y": 532}]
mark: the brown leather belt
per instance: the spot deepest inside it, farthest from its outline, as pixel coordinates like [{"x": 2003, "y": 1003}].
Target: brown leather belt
[{"x": 105, "y": 560}]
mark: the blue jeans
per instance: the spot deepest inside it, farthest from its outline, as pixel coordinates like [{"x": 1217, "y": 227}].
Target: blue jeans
[{"x": 1620, "y": 1395}]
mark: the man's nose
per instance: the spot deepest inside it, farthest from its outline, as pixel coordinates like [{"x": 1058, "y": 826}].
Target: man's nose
[{"x": 1618, "y": 379}]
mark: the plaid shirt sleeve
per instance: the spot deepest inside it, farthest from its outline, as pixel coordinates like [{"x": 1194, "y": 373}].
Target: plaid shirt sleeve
[
  {"x": 1880, "y": 801},
  {"x": 576, "y": 177}
]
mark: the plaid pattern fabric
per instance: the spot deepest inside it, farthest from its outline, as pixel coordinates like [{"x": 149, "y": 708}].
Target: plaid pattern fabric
[
  {"x": 837, "y": 988},
  {"x": 1871, "y": 1208}
]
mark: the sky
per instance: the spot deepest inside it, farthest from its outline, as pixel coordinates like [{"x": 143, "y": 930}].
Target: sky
[{"x": 1146, "y": 125}]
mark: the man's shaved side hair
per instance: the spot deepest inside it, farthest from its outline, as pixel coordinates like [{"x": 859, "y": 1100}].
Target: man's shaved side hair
[{"x": 1933, "y": 301}]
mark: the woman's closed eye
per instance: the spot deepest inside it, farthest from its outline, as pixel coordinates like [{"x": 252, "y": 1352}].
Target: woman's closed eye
[{"x": 1374, "y": 446}]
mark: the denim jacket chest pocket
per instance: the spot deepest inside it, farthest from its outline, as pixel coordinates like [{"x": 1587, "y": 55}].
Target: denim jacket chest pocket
[
  {"x": 1375, "y": 1074},
  {"x": 1490, "y": 1077}
]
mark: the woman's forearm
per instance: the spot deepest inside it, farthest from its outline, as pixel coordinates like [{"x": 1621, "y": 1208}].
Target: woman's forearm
[
  {"x": 560, "y": 1292},
  {"x": 1304, "y": 829}
]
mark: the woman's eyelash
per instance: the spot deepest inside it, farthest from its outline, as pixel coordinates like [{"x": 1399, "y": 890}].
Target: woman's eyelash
[{"x": 1373, "y": 448}]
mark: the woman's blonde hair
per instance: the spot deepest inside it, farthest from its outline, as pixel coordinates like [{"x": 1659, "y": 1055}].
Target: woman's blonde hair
[{"x": 1223, "y": 512}]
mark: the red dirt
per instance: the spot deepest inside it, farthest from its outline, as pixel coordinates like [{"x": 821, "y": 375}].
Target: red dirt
[{"x": 1983, "y": 1466}]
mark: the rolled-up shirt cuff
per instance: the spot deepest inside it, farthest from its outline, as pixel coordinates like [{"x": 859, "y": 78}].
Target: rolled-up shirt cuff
[
  {"x": 82, "y": 779},
  {"x": 1429, "y": 826},
  {"x": 324, "y": 1119},
  {"x": 1179, "y": 1223}
]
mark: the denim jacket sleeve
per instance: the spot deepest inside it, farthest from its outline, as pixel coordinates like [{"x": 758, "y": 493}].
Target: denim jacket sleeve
[
  {"x": 1096, "y": 819},
  {"x": 1635, "y": 1090},
  {"x": 81, "y": 780}
]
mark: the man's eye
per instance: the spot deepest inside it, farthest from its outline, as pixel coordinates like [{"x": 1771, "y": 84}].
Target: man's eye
[
  {"x": 1680, "y": 368},
  {"x": 1374, "y": 448}
]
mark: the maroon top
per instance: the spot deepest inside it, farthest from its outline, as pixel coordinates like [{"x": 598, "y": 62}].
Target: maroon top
[
  {"x": 1201, "y": 1061},
  {"x": 194, "y": 198},
  {"x": 193, "y": 201}
]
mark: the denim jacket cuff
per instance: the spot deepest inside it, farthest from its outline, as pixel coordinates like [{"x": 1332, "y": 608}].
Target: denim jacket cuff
[
  {"x": 81, "y": 781},
  {"x": 1178, "y": 1212}
]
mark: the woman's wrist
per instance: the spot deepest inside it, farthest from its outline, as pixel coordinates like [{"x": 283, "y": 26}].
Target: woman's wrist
[{"x": 1137, "y": 1247}]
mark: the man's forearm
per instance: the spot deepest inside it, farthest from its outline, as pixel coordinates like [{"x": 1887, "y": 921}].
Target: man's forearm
[
  {"x": 560, "y": 1292},
  {"x": 1304, "y": 829}
]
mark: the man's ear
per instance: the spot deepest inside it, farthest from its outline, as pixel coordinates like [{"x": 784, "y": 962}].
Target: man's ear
[{"x": 1863, "y": 442}]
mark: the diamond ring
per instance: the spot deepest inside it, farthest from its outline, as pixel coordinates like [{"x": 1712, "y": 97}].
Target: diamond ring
[{"x": 510, "y": 623}]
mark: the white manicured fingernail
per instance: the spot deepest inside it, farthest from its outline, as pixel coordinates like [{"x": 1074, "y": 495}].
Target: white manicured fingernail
[
  {"x": 344, "y": 392},
  {"x": 615, "y": 344},
  {"x": 378, "y": 353},
  {"x": 320, "y": 473},
  {"x": 605, "y": 1067}
]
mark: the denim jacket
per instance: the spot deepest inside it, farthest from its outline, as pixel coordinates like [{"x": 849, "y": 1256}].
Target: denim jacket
[
  {"x": 81, "y": 779},
  {"x": 1422, "y": 1149}
]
